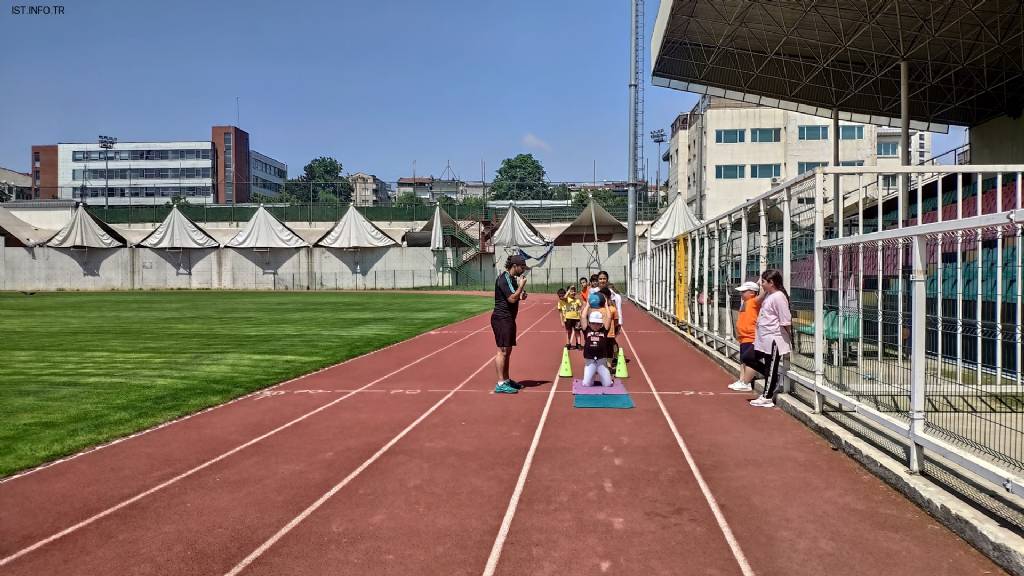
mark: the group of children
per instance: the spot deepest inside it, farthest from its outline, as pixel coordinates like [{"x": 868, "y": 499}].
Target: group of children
[
  {"x": 592, "y": 317},
  {"x": 764, "y": 332}
]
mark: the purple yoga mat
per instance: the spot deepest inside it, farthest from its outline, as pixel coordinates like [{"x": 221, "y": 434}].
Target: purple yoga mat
[{"x": 579, "y": 388}]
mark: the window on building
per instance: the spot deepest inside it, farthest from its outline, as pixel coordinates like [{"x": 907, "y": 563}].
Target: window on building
[
  {"x": 808, "y": 166},
  {"x": 78, "y": 155},
  {"x": 813, "y": 133},
  {"x": 765, "y": 134},
  {"x": 889, "y": 181},
  {"x": 888, "y": 149},
  {"x": 851, "y": 163},
  {"x": 730, "y": 136},
  {"x": 730, "y": 171},
  {"x": 765, "y": 170},
  {"x": 851, "y": 132}
]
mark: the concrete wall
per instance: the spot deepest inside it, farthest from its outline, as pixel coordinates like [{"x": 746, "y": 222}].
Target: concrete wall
[
  {"x": 232, "y": 269},
  {"x": 998, "y": 141}
]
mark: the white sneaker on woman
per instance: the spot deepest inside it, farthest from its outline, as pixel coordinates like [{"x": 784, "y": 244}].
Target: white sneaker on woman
[
  {"x": 762, "y": 402},
  {"x": 740, "y": 386}
]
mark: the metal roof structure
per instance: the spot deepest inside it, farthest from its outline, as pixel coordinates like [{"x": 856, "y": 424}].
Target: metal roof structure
[{"x": 966, "y": 59}]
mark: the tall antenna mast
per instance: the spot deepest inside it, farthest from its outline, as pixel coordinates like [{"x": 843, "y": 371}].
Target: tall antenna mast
[{"x": 636, "y": 117}]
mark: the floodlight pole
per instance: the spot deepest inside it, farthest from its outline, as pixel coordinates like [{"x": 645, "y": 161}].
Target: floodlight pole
[
  {"x": 633, "y": 117},
  {"x": 106, "y": 143},
  {"x": 659, "y": 137}
]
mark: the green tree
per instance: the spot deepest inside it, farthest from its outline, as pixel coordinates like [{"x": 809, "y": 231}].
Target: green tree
[
  {"x": 321, "y": 181},
  {"x": 409, "y": 198},
  {"x": 520, "y": 178},
  {"x": 606, "y": 198},
  {"x": 560, "y": 192}
]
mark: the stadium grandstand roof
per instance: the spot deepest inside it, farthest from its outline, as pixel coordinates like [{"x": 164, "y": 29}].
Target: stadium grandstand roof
[{"x": 966, "y": 59}]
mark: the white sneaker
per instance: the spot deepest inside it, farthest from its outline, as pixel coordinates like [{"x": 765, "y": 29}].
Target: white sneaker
[
  {"x": 761, "y": 402},
  {"x": 740, "y": 386}
]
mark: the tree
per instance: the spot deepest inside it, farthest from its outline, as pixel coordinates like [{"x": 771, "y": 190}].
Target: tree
[
  {"x": 5, "y": 193},
  {"x": 321, "y": 181},
  {"x": 606, "y": 198},
  {"x": 409, "y": 198},
  {"x": 520, "y": 178},
  {"x": 560, "y": 192}
]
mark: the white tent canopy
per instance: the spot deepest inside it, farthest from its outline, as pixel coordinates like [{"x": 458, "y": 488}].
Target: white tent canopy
[
  {"x": 353, "y": 230},
  {"x": 263, "y": 230},
  {"x": 436, "y": 226},
  {"x": 22, "y": 231},
  {"x": 178, "y": 231},
  {"x": 515, "y": 230},
  {"x": 674, "y": 221},
  {"x": 593, "y": 216},
  {"x": 83, "y": 231}
]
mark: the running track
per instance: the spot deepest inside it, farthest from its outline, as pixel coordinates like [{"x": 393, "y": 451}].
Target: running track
[{"x": 402, "y": 462}]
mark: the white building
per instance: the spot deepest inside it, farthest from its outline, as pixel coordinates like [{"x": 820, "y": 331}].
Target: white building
[
  {"x": 137, "y": 172},
  {"x": 725, "y": 152},
  {"x": 267, "y": 176},
  {"x": 368, "y": 190}
]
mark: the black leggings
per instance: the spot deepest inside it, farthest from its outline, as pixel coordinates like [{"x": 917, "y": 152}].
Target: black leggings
[{"x": 770, "y": 366}]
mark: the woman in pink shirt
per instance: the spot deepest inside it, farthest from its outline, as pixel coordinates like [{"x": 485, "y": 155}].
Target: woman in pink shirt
[{"x": 774, "y": 335}]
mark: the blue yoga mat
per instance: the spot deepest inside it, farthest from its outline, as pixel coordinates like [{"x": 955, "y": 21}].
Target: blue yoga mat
[{"x": 602, "y": 401}]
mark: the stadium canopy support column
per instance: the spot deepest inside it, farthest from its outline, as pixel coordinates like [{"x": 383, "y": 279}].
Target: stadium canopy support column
[
  {"x": 836, "y": 194},
  {"x": 904, "y": 123}
]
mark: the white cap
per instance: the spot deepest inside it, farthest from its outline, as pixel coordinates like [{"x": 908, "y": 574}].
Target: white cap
[
  {"x": 752, "y": 286},
  {"x": 596, "y": 317}
]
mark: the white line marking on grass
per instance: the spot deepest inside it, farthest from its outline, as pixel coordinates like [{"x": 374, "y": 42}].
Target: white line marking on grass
[
  {"x": 210, "y": 462},
  {"x": 730, "y": 538},
  {"x": 211, "y": 408},
  {"x": 362, "y": 467},
  {"x": 513, "y": 503}
]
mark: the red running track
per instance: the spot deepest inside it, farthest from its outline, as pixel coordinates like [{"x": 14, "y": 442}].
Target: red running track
[{"x": 404, "y": 462}]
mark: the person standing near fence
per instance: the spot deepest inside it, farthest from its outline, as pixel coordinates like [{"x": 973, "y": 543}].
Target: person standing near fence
[
  {"x": 774, "y": 336},
  {"x": 509, "y": 291}
]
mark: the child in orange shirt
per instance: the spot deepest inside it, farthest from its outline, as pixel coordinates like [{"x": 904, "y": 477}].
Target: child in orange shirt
[{"x": 746, "y": 332}]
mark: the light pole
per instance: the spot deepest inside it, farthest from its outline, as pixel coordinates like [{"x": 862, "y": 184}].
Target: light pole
[
  {"x": 659, "y": 137},
  {"x": 106, "y": 143}
]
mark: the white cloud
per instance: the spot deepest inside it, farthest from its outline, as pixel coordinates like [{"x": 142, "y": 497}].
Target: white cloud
[{"x": 530, "y": 140}]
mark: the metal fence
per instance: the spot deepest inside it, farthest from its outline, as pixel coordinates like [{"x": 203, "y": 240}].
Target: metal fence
[{"x": 908, "y": 312}]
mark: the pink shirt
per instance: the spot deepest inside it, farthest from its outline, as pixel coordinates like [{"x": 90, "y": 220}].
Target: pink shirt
[{"x": 773, "y": 316}]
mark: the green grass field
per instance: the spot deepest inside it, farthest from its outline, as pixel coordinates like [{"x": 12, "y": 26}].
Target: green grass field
[{"x": 79, "y": 369}]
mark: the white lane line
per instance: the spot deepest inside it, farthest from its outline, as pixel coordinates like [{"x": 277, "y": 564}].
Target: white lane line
[
  {"x": 513, "y": 504},
  {"x": 212, "y": 461},
  {"x": 723, "y": 525},
  {"x": 92, "y": 449},
  {"x": 352, "y": 475}
]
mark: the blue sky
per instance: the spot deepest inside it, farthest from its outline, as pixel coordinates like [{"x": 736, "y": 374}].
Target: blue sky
[{"x": 377, "y": 85}]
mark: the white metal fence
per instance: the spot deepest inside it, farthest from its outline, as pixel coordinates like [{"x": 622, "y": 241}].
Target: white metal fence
[{"x": 909, "y": 312}]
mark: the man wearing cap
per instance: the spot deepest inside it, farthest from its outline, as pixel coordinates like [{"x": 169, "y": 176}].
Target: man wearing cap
[
  {"x": 746, "y": 332},
  {"x": 509, "y": 290}
]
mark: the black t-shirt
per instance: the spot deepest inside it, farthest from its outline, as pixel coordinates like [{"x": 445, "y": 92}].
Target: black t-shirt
[
  {"x": 595, "y": 342},
  {"x": 504, "y": 287}
]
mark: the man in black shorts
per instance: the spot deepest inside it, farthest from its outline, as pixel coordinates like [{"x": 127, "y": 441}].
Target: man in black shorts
[{"x": 509, "y": 290}]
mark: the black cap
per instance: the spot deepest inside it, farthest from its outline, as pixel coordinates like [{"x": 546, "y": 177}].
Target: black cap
[{"x": 516, "y": 260}]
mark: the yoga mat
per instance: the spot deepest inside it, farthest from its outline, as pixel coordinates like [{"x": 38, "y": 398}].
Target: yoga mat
[
  {"x": 616, "y": 388},
  {"x": 602, "y": 401}
]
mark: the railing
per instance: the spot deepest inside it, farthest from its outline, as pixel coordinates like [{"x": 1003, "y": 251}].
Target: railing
[{"x": 909, "y": 312}]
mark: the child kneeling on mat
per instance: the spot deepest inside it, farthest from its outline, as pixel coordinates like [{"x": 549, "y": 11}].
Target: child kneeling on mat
[{"x": 596, "y": 348}]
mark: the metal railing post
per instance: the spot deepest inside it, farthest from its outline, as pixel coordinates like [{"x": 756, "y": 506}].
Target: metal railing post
[
  {"x": 917, "y": 350},
  {"x": 819, "y": 291},
  {"x": 787, "y": 265},
  {"x": 762, "y": 238}
]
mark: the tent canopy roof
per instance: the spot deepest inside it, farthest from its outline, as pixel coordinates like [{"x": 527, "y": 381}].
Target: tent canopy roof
[
  {"x": 353, "y": 230},
  {"x": 178, "y": 231},
  {"x": 21, "y": 231},
  {"x": 583, "y": 225},
  {"x": 515, "y": 230},
  {"x": 965, "y": 60},
  {"x": 263, "y": 230},
  {"x": 675, "y": 220},
  {"x": 84, "y": 231}
]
